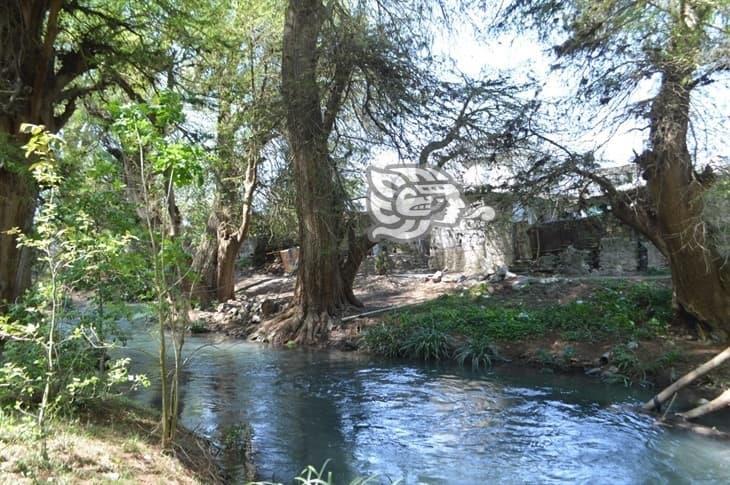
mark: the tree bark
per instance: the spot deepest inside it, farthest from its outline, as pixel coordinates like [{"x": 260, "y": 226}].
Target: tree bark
[
  {"x": 30, "y": 89},
  {"x": 700, "y": 276},
  {"x": 234, "y": 203},
  {"x": 17, "y": 205},
  {"x": 320, "y": 292}
]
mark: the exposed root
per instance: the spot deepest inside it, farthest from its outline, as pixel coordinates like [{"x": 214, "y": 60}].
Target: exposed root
[{"x": 295, "y": 327}]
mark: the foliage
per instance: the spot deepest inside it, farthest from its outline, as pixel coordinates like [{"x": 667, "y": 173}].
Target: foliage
[
  {"x": 633, "y": 311},
  {"x": 478, "y": 351},
  {"x": 142, "y": 129},
  {"x": 385, "y": 339},
  {"x": 312, "y": 476},
  {"x": 633, "y": 368},
  {"x": 53, "y": 357},
  {"x": 429, "y": 343},
  {"x": 93, "y": 184}
]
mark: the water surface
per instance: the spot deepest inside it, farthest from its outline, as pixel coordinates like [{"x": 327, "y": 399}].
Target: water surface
[{"x": 427, "y": 424}]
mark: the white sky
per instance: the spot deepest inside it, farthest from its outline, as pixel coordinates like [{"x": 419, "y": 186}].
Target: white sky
[{"x": 525, "y": 55}]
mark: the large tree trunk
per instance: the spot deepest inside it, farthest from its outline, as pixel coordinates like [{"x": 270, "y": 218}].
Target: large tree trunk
[
  {"x": 233, "y": 202},
  {"x": 228, "y": 247},
  {"x": 700, "y": 276},
  {"x": 29, "y": 88},
  {"x": 320, "y": 291},
  {"x": 17, "y": 205},
  {"x": 205, "y": 262}
]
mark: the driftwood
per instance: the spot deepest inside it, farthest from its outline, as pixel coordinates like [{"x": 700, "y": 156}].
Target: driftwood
[
  {"x": 660, "y": 398},
  {"x": 716, "y": 404}
]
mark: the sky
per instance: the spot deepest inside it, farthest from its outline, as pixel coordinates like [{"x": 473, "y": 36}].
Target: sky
[{"x": 523, "y": 55}]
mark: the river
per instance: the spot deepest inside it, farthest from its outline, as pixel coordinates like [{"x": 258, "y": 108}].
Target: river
[{"x": 426, "y": 424}]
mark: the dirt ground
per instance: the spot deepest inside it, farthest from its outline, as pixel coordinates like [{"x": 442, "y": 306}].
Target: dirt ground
[{"x": 374, "y": 291}]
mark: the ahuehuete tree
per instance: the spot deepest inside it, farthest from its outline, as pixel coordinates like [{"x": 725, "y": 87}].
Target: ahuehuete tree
[
  {"x": 352, "y": 72},
  {"x": 55, "y": 53},
  {"x": 618, "y": 46},
  {"x": 238, "y": 79}
]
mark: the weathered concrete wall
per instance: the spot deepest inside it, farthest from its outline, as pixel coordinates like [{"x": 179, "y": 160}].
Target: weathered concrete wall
[
  {"x": 472, "y": 246},
  {"x": 598, "y": 245}
]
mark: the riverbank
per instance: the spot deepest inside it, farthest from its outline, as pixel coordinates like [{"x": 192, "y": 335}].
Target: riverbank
[
  {"x": 620, "y": 331},
  {"x": 111, "y": 442}
]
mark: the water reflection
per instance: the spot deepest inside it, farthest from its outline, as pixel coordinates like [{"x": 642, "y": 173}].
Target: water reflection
[{"x": 430, "y": 425}]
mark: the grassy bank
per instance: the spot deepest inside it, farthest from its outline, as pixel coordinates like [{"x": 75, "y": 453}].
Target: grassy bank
[
  {"x": 618, "y": 330},
  {"x": 112, "y": 442}
]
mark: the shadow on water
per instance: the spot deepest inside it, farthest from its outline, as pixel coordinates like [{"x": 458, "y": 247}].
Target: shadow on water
[{"x": 428, "y": 424}]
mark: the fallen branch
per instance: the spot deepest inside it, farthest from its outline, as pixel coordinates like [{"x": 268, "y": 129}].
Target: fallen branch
[
  {"x": 658, "y": 400},
  {"x": 260, "y": 282},
  {"x": 379, "y": 311},
  {"x": 716, "y": 404},
  {"x": 677, "y": 422}
]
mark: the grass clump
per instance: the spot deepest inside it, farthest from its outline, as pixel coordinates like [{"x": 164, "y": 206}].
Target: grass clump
[
  {"x": 429, "y": 343},
  {"x": 479, "y": 352},
  {"x": 385, "y": 340}
]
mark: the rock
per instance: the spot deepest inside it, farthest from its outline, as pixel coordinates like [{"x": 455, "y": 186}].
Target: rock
[
  {"x": 594, "y": 371},
  {"x": 548, "y": 281},
  {"x": 269, "y": 307},
  {"x": 519, "y": 282},
  {"x": 613, "y": 370},
  {"x": 632, "y": 345},
  {"x": 437, "y": 276},
  {"x": 461, "y": 279}
]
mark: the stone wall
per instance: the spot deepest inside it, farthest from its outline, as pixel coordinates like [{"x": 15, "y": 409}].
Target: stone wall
[
  {"x": 472, "y": 246},
  {"x": 595, "y": 245}
]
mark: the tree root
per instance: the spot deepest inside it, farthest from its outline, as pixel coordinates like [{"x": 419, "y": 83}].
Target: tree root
[{"x": 295, "y": 327}]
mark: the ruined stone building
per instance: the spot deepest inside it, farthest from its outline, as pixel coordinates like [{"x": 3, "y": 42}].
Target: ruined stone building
[{"x": 543, "y": 241}]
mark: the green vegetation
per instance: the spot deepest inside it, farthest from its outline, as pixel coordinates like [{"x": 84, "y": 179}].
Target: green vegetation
[
  {"x": 478, "y": 351},
  {"x": 108, "y": 441},
  {"x": 618, "y": 312},
  {"x": 313, "y": 476},
  {"x": 632, "y": 368}
]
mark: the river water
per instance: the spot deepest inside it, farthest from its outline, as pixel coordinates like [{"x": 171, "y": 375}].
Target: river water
[{"x": 426, "y": 424}]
